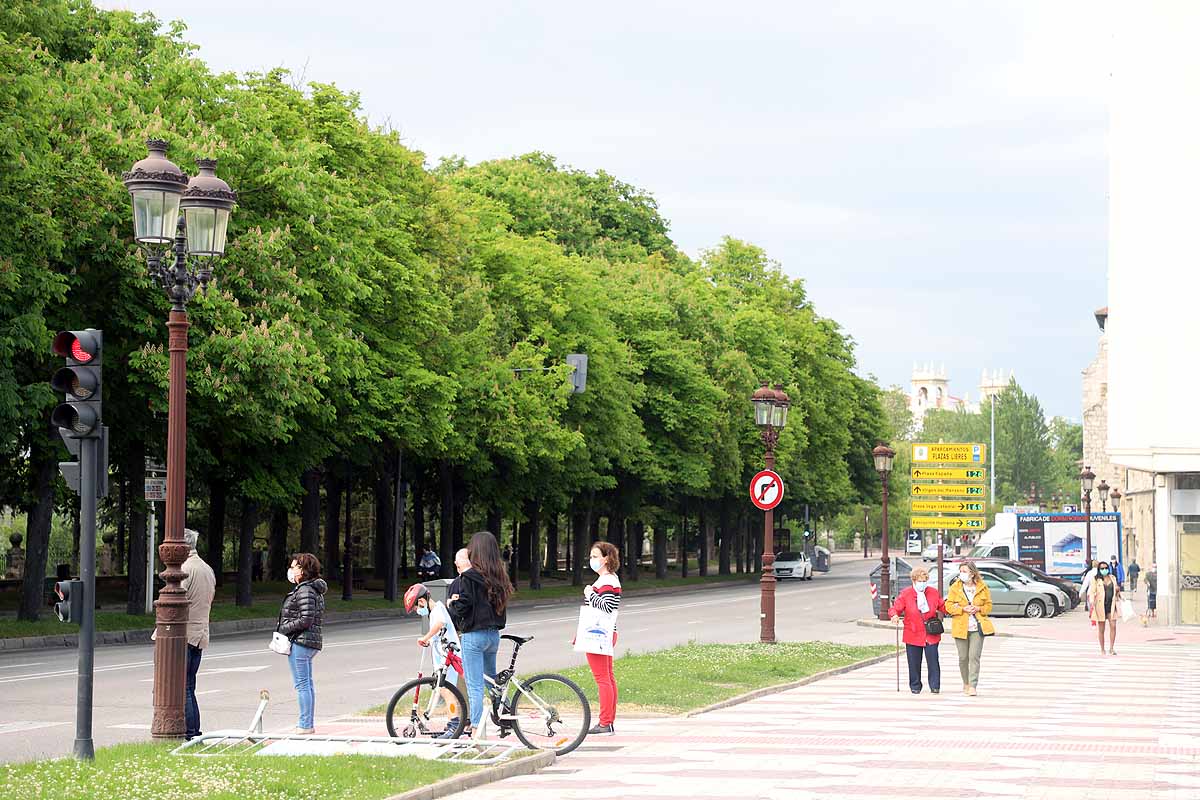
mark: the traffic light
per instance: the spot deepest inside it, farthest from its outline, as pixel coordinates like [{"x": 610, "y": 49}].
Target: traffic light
[
  {"x": 69, "y": 607},
  {"x": 80, "y": 380}
]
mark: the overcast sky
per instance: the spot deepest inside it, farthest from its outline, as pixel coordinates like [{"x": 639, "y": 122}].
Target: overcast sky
[{"x": 934, "y": 171}]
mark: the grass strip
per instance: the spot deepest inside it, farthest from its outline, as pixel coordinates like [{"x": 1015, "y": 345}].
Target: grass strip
[{"x": 150, "y": 772}]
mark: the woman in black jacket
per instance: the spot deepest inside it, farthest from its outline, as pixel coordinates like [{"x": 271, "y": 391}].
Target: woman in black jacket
[
  {"x": 300, "y": 621},
  {"x": 479, "y": 613}
]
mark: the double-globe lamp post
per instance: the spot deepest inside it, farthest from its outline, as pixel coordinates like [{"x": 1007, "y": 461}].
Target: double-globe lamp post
[
  {"x": 1086, "y": 478},
  {"x": 186, "y": 218},
  {"x": 883, "y": 456},
  {"x": 770, "y": 414}
]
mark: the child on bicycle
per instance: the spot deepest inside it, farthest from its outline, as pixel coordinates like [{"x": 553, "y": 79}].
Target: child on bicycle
[{"x": 439, "y": 622}]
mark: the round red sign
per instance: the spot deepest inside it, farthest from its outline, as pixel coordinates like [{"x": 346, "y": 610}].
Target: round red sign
[{"x": 766, "y": 489}]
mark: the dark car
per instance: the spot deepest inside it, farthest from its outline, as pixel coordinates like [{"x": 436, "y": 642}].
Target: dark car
[{"x": 1070, "y": 588}]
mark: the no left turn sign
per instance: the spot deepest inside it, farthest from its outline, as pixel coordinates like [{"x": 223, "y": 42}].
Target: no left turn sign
[{"x": 766, "y": 489}]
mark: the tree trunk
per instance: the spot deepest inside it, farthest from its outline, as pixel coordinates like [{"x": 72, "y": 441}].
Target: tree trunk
[
  {"x": 524, "y": 545},
  {"x": 277, "y": 545},
  {"x": 214, "y": 552},
  {"x": 756, "y": 536},
  {"x": 135, "y": 468},
  {"x": 706, "y": 538},
  {"x": 396, "y": 559},
  {"x": 310, "y": 511},
  {"x": 420, "y": 536},
  {"x": 248, "y": 523},
  {"x": 683, "y": 551},
  {"x": 552, "y": 544},
  {"x": 460, "y": 505},
  {"x": 638, "y": 532},
  {"x": 514, "y": 545},
  {"x": 385, "y": 521},
  {"x": 122, "y": 521},
  {"x": 446, "y": 479},
  {"x": 723, "y": 542},
  {"x": 348, "y": 543},
  {"x": 569, "y": 551},
  {"x": 43, "y": 464},
  {"x": 75, "y": 542},
  {"x": 660, "y": 551},
  {"x": 333, "y": 521},
  {"x": 532, "y": 523},
  {"x": 579, "y": 527},
  {"x": 616, "y": 537},
  {"x": 494, "y": 522}
]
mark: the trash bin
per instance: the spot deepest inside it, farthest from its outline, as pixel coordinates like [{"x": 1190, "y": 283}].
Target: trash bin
[
  {"x": 438, "y": 592},
  {"x": 821, "y": 559},
  {"x": 898, "y": 576}
]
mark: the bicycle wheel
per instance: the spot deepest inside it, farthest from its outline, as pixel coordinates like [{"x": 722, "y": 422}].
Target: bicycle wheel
[
  {"x": 551, "y": 713},
  {"x": 418, "y": 711}
]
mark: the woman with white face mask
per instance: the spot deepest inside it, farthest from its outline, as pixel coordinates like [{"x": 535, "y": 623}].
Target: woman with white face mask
[
  {"x": 969, "y": 601},
  {"x": 300, "y": 621},
  {"x": 604, "y": 594},
  {"x": 919, "y": 605}
]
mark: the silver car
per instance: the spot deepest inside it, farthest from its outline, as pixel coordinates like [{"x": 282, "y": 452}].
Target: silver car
[
  {"x": 793, "y": 565},
  {"x": 1058, "y": 599},
  {"x": 1014, "y": 599}
]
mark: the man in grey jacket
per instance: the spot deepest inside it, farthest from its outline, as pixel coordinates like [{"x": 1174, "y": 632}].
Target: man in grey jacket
[{"x": 200, "y": 584}]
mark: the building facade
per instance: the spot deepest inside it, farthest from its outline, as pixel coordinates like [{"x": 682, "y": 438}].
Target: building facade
[{"x": 930, "y": 390}]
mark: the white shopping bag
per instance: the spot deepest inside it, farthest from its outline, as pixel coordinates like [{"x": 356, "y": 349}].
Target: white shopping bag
[
  {"x": 1127, "y": 612},
  {"x": 594, "y": 634}
]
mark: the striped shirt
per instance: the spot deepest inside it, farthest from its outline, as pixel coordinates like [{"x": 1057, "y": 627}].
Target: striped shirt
[{"x": 606, "y": 594}]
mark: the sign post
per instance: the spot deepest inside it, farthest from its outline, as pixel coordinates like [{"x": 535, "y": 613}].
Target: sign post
[
  {"x": 766, "y": 492},
  {"x": 155, "y": 492},
  {"x": 950, "y": 480}
]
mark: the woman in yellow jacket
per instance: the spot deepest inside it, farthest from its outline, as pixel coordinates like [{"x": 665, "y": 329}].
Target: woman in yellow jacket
[{"x": 968, "y": 602}]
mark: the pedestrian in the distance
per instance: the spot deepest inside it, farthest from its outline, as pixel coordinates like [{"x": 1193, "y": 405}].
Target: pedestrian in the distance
[
  {"x": 300, "y": 621},
  {"x": 1085, "y": 584},
  {"x": 430, "y": 566},
  {"x": 462, "y": 563},
  {"x": 605, "y": 595},
  {"x": 1118, "y": 571},
  {"x": 200, "y": 585},
  {"x": 969, "y": 602},
  {"x": 916, "y": 607},
  {"x": 1105, "y": 597},
  {"x": 1134, "y": 571},
  {"x": 1152, "y": 591},
  {"x": 479, "y": 613}
]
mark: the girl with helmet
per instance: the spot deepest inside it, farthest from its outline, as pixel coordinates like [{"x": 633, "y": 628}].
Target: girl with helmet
[{"x": 418, "y": 597}]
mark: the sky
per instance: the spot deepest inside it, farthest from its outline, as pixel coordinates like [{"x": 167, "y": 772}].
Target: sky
[{"x": 935, "y": 172}]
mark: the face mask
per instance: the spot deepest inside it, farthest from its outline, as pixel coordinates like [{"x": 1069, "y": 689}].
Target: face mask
[
  {"x": 920, "y": 585},
  {"x": 422, "y": 611},
  {"x": 1104, "y": 570},
  {"x": 293, "y": 575},
  {"x": 965, "y": 577},
  {"x": 595, "y": 564}
]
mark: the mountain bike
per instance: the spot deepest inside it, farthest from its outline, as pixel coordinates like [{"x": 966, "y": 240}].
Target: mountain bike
[
  {"x": 546, "y": 711},
  {"x": 430, "y": 706}
]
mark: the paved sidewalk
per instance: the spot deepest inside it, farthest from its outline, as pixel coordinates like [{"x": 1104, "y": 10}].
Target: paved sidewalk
[{"x": 1038, "y": 736}]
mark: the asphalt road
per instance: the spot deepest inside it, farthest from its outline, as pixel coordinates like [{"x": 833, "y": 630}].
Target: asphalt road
[{"x": 362, "y": 664}]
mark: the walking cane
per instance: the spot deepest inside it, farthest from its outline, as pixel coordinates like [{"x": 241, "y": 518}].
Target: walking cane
[{"x": 897, "y": 658}]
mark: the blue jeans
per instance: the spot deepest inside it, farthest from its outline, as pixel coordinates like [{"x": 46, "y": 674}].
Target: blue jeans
[
  {"x": 479, "y": 659},
  {"x": 300, "y": 660},
  {"x": 191, "y": 711}
]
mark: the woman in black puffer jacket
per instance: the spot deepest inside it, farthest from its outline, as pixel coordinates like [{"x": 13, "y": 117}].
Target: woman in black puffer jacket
[{"x": 300, "y": 621}]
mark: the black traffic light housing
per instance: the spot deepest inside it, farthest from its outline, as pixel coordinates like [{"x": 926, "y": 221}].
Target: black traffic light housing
[
  {"x": 69, "y": 607},
  {"x": 81, "y": 381}
]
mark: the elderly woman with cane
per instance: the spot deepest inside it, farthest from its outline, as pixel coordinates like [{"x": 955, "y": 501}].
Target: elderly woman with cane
[{"x": 919, "y": 606}]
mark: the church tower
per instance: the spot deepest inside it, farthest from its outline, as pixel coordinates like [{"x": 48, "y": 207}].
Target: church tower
[{"x": 930, "y": 389}]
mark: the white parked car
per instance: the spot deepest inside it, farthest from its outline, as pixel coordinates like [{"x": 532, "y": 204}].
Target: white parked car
[{"x": 793, "y": 565}]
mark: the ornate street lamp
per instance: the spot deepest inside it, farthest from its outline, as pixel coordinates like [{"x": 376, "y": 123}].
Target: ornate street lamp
[
  {"x": 770, "y": 414},
  {"x": 1086, "y": 478},
  {"x": 1115, "y": 496},
  {"x": 883, "y": 456},
  {"x": 188, "y": 218},
  {"x": 1102, "y": 488}
]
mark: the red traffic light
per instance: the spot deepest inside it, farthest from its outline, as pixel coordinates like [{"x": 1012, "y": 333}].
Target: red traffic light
[{"x": 83, "y": 347}]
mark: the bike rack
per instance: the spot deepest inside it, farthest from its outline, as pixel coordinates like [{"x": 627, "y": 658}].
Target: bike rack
[{"x": 254, "y": 741}]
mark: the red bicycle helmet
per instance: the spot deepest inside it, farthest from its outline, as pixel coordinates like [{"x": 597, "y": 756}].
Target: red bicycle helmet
[{"x": 414, "y": 593}]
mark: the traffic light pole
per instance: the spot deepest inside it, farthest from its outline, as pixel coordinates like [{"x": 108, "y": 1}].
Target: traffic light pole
[{"x": 84, "y": 748}]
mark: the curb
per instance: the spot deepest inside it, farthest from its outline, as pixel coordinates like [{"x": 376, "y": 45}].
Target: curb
[
  {"x": 884, "y": 626},
  {"x": 783, "y": 687},
  {"x": 235, "y": 626},
  {"x": 459, "y": 783}
]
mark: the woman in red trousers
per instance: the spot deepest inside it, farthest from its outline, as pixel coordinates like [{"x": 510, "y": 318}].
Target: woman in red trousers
[
  {"x": 604, "y": 594},
  {"x": 918, "y": 604}
]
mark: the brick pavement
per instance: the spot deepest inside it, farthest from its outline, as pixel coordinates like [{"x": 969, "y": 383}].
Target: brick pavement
[{"x": 1039, "y": 736}]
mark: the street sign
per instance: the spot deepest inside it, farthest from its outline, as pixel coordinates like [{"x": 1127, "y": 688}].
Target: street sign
[
  {"x": 948, "y": 523},
  {"x": 1022, "y": 509},
  {"x": 913, "y": 543},
  {"x": 941, "y": 453},
  {"x": 947, "y": 490},
  {"x": 1070, "y": 509},
  {"x": 948, "y": 506},
  {"x": 766, "y": 490},
  {"x": 156, "y": 489},
  {"x": 949, "y": 474}
]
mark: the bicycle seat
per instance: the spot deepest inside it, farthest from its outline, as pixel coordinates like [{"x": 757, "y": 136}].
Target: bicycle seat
[{"x": 518, "y": 640}]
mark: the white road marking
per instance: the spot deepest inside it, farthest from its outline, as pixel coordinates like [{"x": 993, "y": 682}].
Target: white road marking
[
  {"x": 695, "y": 622},
  {"x": 256, "y": 668},
  {"x": 15, "y": 666},
  {"x": 390, "y": 687},
  {"x": 18, "y": 727},
  {"x": 639, "y": 630},
  {"x": 131, "y": 726},
  {"x": 370, "y": 669},
  {"x": 209, "y": 691}
]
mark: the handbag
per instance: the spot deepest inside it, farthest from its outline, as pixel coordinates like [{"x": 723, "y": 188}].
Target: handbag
[
  {"x": 280, "y": 643},
  {"x": 594, "y": 633},
  {"x": 934, "y": 627}
]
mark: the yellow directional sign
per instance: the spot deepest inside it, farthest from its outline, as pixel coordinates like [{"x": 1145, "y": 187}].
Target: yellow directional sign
[
  {"x": 948, "y": 523},
  {"x": 940, "y": 453},
  {"x": 946, "y": 490},
  {"x": 949, "y": 474},
  {"x": 948, "y": 506}
]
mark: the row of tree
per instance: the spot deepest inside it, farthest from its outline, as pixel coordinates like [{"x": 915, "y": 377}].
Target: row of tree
[{"x": 377, "y": 325}]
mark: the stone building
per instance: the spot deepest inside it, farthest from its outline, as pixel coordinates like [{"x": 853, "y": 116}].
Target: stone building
[{"x": 931, "y": 390}]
